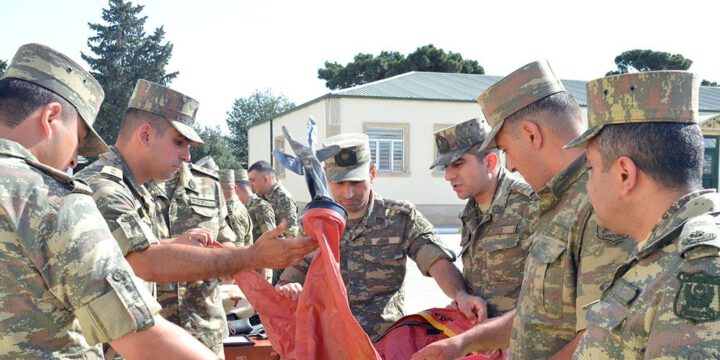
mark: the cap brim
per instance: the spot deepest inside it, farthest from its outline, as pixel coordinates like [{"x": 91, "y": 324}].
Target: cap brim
[
  {"x": 489, "y": 142},
  {"x": 93, "y": 144},
  {"x": 188, "y": 132},
  {"x": 450, "y": 157},
  {"x": 359, "y": 173},
  {"x": 582, "y": 140}
]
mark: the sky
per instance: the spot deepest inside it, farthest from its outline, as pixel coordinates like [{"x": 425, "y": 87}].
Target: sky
[{"x": 228, "y": 49}]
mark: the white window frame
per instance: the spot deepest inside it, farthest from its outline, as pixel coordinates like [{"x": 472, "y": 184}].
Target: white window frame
[{"x": 404, "y": 143}]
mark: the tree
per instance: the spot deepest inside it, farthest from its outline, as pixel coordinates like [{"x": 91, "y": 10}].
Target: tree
[
  {"x": 216, "y": 145},
  {"x": 256, "y": 108},
  {"x": 649, "y": 60},
  {"x": 367, "y": 68},
  {"x": 123, "y": 55},
  {"x": 709, "y": 83},
  {"x": 3, "y": 66}
]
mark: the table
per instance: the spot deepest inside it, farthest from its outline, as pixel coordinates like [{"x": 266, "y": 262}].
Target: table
[{"x": 262, "y": 350}]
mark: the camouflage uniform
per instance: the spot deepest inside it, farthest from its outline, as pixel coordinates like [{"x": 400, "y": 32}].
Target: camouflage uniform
[
  {"x": 193, "y": 199},
  {"x": 375, "y": 249},
  {"x": 65, "y": 286},
  {"x": 493, "y": 243},
  {"x": 665, "y": 301},
  {"x": 284, "y": 208},
  {"x": 261, "y": 212},
  {"x": 570, "y": 257},
  {"x": 238, "y": 217}
]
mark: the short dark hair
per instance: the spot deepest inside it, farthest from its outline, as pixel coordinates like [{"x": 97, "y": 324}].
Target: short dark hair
[
  {"x": 19, "y": 99},
  {"x": 264, "y": 167},
  {"x": 562, "y": 115},
  {"x": 669, "y": 153},
  {"x": 481, "y": 154},
  {"x": 135, "y": 117}
]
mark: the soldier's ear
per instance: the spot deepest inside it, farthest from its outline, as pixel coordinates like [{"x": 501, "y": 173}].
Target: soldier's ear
[
  {"x": 49, "y": 116},
  {"x": 530, "y": 132},
  {"x": 625, "y": 174},
  {"x": 144, "y": 133}
]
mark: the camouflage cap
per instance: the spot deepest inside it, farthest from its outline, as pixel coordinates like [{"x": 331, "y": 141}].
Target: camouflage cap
[
  {"x": 208, "y": 162},
  {"x": 526, "y": 85},
  {"x": 352, "y": 163},
  {"x": 56, "y": 72},
  {"x": 241, "y": 175},
  {"x": 177, "y": 108},
  {"x": 454, "y": 141},
  {"x": 654, "y": 96},
  {"x": 226, "y": 176}
]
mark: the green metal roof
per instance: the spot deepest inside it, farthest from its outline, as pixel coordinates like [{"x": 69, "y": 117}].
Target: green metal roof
[{"x": 467, "y": 87}]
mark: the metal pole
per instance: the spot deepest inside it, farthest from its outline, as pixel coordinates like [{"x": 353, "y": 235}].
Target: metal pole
[{"x": 272, "y": 161}]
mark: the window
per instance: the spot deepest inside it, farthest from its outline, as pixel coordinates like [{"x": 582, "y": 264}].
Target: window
[
  {"x": 388, "y": 148},
  {"x": 277, "y": 166}
]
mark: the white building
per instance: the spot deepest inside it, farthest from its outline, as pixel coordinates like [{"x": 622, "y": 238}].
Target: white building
[{"x": 400, "y": 114}]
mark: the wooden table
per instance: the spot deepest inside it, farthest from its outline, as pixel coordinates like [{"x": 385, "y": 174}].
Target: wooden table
[{"x": 262, "y": 350}]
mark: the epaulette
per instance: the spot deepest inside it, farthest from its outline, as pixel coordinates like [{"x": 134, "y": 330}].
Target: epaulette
[
  {"x": 700, "y": 237},
  {"x": 76, "y": 186},
  {"x": 204, "y": 171},
  {"x": 402, "y": 206},
  {"x": 112, "y": 172}
]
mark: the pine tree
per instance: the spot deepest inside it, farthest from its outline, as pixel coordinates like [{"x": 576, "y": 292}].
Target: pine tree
[
  {"x": 123, "y": 55},
  {"x": 3, "y": 66}
]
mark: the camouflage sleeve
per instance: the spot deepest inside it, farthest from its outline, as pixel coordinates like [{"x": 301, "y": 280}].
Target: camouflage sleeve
[
  {"x": 290, "y": 214},
  {"x": 118, "y": 209},
  {"x": 84, "y": 268},
  {"x": 264, "y": 217},
  {"x": 685, "y": 323},
  {"x": 239, "y": 222},
  {"x": 301, "y": 268},
  {"x": 225, "y": 233},
  {"x": 599, "y": 253},
  {"x": 424, "y": 244}
]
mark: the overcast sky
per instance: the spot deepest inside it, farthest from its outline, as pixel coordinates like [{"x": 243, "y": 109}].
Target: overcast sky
[{"x": 225, "y": 49}]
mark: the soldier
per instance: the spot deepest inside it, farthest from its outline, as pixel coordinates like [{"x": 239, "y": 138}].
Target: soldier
[
  {"x": 65, "y": 285},
  {"x": 193, "y": 198},
  {"x": 261, "y": 213},
  {"x": 497, "y": 221},
  {"x": 153, "y": 143},
  {"x": 570, "y": 257},
  {"x": 238, "y": 216},
  {"x": 379, "y": 236},
  {"x": 263, "y": 181},
  {"x": 645, "y": 150}
]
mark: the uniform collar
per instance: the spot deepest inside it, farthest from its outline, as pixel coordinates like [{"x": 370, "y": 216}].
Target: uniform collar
[
  {"x": 14, "y": 149},
  {"x": 549, "y": 195},
  {"x": 685, "y": 208}
]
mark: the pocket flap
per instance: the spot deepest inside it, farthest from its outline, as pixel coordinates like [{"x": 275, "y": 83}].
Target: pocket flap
[
  {"x": 496, "y": 243},
  {"x": 547, "y": 250},
  {"x": 607, "y": 314}
]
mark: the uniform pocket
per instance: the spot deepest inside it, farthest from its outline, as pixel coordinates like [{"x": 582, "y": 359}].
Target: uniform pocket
[
  {"x": 204, "y": 207},
  {"x": 505, "y": 258},
  {"x": 547, "y": 274}
]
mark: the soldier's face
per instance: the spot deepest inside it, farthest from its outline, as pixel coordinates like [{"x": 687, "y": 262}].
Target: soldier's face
[
  {"x": 243, "y": 192},
  {"x": 259, "y": 182},
  {"x": 469, "y": 177},
  {"x": 169, "y": 150},
  {"x": 603, "y": 193},
  {"x": 354, "y": 196},
  {"x": 520, "y": 157}
]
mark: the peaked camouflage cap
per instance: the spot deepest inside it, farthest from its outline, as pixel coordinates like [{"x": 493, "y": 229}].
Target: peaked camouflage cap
[
  {"x": 226, "y": 176},
  {"x": 241, "y": 175},
  {"x": 352, "y": 163},
  {"x": 526, "y": 85},
  {"x": 58, "y": 73},
  {"x": 208, "y": 162},
  {"x": 177, "y": 108},
  {"x": 454, "y": 141},
  {"x": 653, "y": 96}
]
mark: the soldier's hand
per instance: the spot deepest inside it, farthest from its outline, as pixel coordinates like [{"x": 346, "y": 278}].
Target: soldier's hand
[
  {"x": 474, "y": 307},
  {"x": 195, "y": 237},
  {"x": 291, "y": 290},
  {"x": 270, "y": 251},
  {"x": 449, "y": 349}
]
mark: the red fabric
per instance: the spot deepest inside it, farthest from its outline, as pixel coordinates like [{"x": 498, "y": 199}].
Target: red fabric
[
  {"x": 411, "y": 333},
  {"x": 320, "y": 325}
]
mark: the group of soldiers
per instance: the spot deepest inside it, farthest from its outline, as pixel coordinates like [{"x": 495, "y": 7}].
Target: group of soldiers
[{"x": 606, "y": 247}]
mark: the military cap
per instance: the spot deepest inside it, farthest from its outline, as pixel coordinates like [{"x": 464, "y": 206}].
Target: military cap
[
  {"x": 526, "y": 85},
  {"x": 241, "y": 175},
  {"x": 56, "y": 72},
  {"x": 226, "y": 176},
  {"x": 653, "y": 96},
  {"x": 208, "y": 162},
  {"x": 177, "y": 108},
  {"x": 454, "y": 141},
  {"x": 352, "y": 163}
]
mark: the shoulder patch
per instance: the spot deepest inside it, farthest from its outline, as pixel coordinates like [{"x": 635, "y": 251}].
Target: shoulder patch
[
  {"x": 112, "y": 171},
  {"x": 208, "y": 172},
  {"x": 699, "y": 231},
  {"x": 698, "y": 297}
]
